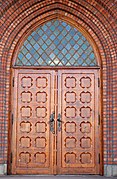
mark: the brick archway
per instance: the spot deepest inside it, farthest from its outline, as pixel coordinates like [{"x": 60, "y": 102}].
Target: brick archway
[{"x": 98, "y": 19}]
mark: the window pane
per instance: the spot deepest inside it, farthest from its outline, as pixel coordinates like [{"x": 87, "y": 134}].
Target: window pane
[{"x": 56, "y": 43}]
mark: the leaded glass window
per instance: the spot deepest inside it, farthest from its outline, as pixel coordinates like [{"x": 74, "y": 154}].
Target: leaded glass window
[{"x": 56, "y": 43}]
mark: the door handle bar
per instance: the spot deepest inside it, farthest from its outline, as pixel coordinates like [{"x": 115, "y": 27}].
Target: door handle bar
[
  {"x": 52, "y": 123},
  {"x": 59, "y": 122}
]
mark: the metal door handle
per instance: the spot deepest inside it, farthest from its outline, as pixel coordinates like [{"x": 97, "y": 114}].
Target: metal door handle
[
  {"x": 52, "y": 122},
  {"x": 59, "y": 122}
]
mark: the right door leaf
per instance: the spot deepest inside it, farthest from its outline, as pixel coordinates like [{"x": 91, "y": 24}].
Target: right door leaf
[{"x": 79, "y": 109}]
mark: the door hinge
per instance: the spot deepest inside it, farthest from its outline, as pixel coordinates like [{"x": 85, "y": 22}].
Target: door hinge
[
  {"x": 99, "y": 119},
  {"x": 11, "y": 157},
  {"x": 13, "y": 81},
  {"x": 12, "y": 118},
  {"x": 99, "y": 82},
  {"x": 99, "y": 158}
]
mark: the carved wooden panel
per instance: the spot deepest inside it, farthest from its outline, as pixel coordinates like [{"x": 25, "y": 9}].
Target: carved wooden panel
[
  {"x": 78, "y": 151},
  {"x": 32, "y": 139},
  {"x": 85, "y": 142},
  {"x": 41, "y": 127},
  {"x": 40, "y": 158},
  {"x": 41, "y": 112},
  {"x": 26, "y": 111},
  {"x": 70, "y": 142},
  {"x": 85, "y": 97},
  {"x": 26, "y": 96},
  {"x": 70, "y": 158},
  {"x": 24, "y": 158},
  {"x": 25, "y": 126},
  {"x": 85, "y": 127},
  {"x": 26, "y": 81},
  {"x": 70, "y": 97},
  {"x": 25, "y": 142},
  {"x": 41, "y": 97},
  {"x": 70, "y": 112},
  {"x": 85, "y": 158},
  {"x": 40, "y": 142},
  {"x": 70, "y": 127}
]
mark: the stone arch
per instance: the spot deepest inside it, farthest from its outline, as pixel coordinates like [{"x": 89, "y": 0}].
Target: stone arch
[{"x": 99, "y": 22}]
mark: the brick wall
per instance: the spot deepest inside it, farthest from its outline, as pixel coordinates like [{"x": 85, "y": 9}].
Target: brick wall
[{"x": 98, "y": 18}]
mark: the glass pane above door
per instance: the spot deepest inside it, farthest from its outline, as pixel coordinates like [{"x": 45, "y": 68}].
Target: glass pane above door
[{"x": 56, "y": 43}]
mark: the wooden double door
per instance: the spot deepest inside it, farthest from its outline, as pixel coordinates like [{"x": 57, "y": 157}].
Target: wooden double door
[{"x": 55, "y": 122}]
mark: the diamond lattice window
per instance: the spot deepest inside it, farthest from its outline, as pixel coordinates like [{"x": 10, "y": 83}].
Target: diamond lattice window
[{"x": 56, "y": 43}]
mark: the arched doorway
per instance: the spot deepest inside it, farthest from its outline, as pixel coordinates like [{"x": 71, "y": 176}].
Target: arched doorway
[{"x": 55, "y": 103}]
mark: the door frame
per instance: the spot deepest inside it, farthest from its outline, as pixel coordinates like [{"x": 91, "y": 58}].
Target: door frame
[{"x": 56, "y": 69}]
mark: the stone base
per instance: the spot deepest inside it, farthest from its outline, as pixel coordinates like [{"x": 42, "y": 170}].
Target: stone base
[
  {"x": 3, "y": 169},
  {"x": 110, "y": 170}
]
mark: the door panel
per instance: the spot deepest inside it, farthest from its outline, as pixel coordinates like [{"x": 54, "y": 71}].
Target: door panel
[
  {"x": 33, "y": 102},
  {"x": 78, "y": 145},
  {"x": 55, "y": 128}
]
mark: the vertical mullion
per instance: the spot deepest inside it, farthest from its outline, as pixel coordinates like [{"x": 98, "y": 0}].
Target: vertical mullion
[{"x": 55, "y": 118}]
